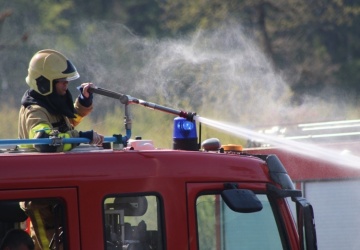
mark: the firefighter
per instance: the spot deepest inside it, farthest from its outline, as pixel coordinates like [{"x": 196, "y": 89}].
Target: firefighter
[
  {"x": 47, "y": 108},
  {"x": 46, "y": 218}
]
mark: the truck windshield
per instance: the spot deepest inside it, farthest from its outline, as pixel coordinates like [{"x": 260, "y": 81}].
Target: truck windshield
[{"x": 223, "y": 229}]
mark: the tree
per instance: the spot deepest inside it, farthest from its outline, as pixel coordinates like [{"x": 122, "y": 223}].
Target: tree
[{"x": 313, "y": 42}]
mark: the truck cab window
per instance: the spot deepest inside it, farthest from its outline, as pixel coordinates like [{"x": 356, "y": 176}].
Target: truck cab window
[
  {"x": 43, "y": 219},
  {"x": 219, "y": 226},
  {"x": 133, "y": 222}
]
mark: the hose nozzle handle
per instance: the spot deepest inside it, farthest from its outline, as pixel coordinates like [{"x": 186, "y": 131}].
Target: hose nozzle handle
[{"x": 127, "y": 99}]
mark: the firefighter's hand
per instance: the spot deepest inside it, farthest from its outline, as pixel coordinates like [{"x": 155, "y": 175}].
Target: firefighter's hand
[
  {"x": 97, "y": 140},
  {"x": 85, "y": 87}
]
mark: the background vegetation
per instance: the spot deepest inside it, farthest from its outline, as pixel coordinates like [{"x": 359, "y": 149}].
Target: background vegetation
[{"x": 249, "y": 62}]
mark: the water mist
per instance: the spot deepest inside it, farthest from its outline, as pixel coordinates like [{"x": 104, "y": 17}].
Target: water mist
[{"x": 220, "y": 74}]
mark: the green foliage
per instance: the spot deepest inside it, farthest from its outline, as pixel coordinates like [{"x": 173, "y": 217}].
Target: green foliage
[
  {"x": 51, "y": 14},
  {"x": 193, "y": 55},
  {"x": 291, "y": 36},
  {"x": 9, "y": 116},
  {"x": 187, "y": 16}
]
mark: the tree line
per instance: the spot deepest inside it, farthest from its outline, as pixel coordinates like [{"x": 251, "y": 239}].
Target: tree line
[{"x": 313, "y": 45}]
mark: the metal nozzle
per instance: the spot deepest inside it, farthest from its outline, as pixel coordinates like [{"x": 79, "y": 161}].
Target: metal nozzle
[{"x": 187, "y": 115}]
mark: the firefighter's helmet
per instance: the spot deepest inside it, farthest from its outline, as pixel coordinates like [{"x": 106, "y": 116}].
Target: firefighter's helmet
[{"x": 45, "y": 67}]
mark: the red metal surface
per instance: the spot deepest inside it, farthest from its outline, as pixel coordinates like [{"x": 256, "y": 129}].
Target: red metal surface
[
  {"x": 95, "y": 175},
  {"x": 42, "y": 170}
]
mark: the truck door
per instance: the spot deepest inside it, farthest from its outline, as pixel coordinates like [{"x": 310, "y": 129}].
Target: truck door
[
  {"x": 61, "y": 202},
  {"x": 213, "y": 225}
]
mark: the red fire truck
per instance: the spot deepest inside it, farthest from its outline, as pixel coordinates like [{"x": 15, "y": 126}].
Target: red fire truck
[{"x": 130, "y": 195}]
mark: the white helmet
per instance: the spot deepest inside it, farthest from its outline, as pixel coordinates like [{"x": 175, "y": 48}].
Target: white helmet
[{"x": 45, "y": 67}]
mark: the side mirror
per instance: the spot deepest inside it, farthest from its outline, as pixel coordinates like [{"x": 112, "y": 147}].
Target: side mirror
[{"x": 241, "y": 200}]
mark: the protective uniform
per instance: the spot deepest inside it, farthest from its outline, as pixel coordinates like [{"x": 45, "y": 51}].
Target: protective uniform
[
  {"x": 35, "y": 121},
  {"x": 45, "y": 112},
  {"x": 46, "y": 221}
]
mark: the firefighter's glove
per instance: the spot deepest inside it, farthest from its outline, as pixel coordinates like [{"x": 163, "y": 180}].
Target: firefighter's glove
[
  {"x": 85, "y": 101},
  {"x": 95, "y": 138}
]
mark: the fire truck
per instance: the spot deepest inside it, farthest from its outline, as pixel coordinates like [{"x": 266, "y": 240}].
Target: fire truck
[{"x": 130, "y": 195}]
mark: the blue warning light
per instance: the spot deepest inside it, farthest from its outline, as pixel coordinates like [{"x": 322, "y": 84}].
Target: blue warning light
[{"x": 184, "y": 129}]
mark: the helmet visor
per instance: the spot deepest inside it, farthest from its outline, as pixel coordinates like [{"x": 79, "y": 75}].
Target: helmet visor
[
  {"x": 70, "y": 73},
  {"x": 72, "y": 77}
]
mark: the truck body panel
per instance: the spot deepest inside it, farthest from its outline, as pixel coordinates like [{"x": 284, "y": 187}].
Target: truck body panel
[{"x": 93, "y": 185}]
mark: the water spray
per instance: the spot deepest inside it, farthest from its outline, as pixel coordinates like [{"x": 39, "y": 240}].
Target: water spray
[{"x": 305, "y": 149}]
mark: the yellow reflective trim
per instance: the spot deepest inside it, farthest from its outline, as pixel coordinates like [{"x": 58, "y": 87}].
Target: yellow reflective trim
[
  {"x": 32, "y": 133},
  {"x": 44, "y": 241},
  {"x": 47, "y": 129},
  {"x": 66, "y": 147},
  {"x": 40, "y": 126},
  {"x": 24, "y": 146}
]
